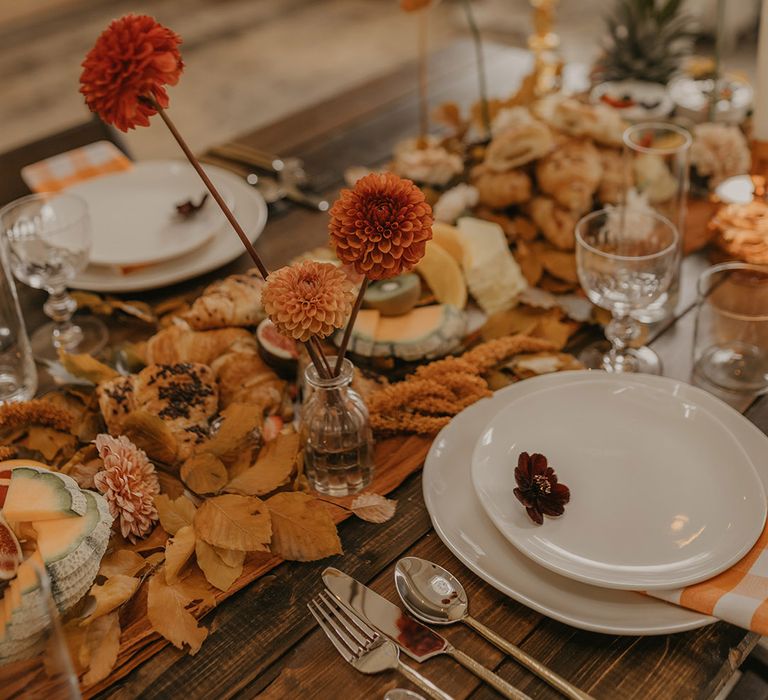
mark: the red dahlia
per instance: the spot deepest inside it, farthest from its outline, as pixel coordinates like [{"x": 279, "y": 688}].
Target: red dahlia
[
  {"x": 538, "y": 489},
  {"x": 134, "y": 57}
]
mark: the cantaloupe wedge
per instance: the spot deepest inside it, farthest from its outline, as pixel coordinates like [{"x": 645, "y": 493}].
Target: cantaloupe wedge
[
  {"x": 443, "y": 275},
  {"x": 448, "y": 238},
  {"x": 36, "y": 494}
]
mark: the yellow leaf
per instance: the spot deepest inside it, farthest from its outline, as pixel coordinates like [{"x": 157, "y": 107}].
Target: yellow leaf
[
  {"x": 50, "y": 443},
  {"x": 196, "y": 588},
  {"x": 174, "y": 514},
  {"x": 156, "y": 540},
  {"x": 166, "y": 611},
  {"x": 302, "y": 528},
  {"x": 272, "y": 470},
  {"x": 204, "y": 473},
  {"x": 103, "y": 641},
  {"x": 151, "y": 434},
  {"x": 231, "y": 557},
  {"x": 373, "y": 507},
  {"x": 170, "y": 485},
  {"x": 239, "y": 421},
  {"x": 178, "y": 551},
  {"x": 234, "y": 522},
  {"x": 121, "y": 561},
  {"x": 110, "y": 595},
  {"x": 218, "y": 572},
  {"x": 85, "y": 367}
]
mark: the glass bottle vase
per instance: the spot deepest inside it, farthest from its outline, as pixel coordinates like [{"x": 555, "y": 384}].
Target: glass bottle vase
[{"x": 336, "y": 433}]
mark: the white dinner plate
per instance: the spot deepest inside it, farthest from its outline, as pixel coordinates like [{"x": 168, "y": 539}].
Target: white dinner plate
[
  {"x": 468, "y": 532},
  {"x": 662, "y": 494},
  {"x": 134, "y": 218},
  {"x": 222, "y": 248}
]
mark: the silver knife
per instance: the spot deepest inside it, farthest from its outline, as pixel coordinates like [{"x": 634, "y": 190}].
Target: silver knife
[{"x": 414, "y": 638}]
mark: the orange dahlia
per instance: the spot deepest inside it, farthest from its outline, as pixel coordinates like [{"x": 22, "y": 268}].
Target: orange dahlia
[
  {"x": 381, "y": 227},
  {"x": 307, "y": 299},
  {"x": 134, "y": 57},
  {"x": 413, "y": 5}
]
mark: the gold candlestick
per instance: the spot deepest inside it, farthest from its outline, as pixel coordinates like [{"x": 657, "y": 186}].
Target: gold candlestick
[{"x": 544, "y": 42}]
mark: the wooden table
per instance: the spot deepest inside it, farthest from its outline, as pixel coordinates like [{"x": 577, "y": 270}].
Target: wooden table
[{"x": 263, "y": 641}]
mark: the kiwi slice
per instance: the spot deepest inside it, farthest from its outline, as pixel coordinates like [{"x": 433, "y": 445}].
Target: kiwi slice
[{"x": 394, "y": 296}]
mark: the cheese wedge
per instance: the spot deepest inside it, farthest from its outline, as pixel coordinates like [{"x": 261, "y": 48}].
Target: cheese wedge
[
  {"x": 36, "y": 494},
  {"x": 448, "y": 238},
  {"x": 443, "y": 275}
]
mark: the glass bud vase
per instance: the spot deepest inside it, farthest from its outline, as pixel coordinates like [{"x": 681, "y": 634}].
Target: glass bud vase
[{"x": 336, "y": 433}]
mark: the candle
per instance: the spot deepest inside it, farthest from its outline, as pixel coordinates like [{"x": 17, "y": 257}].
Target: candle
[{"x": 761, "y": 91}]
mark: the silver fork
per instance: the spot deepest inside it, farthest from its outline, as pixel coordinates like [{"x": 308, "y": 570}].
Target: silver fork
[{"x": 362, "y": 646}]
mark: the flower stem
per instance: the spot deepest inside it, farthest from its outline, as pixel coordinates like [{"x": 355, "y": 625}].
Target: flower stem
[
  {"x": 323, "y": 358},
  {"x": 473, "y": 28},
  {"x": 350, "y": 325},
  {"x": 192, "y": 158},
  {"x": 321, "y": 368}
]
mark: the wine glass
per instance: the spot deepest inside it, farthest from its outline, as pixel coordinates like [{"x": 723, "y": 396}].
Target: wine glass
[
  {"x": 626, "y": 260},
  {"x": 48, "y": 238}
]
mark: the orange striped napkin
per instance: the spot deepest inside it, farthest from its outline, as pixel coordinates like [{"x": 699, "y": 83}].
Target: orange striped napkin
[
  {"x": 738, "y": 595},
  {"x": 65, "y": 169}
]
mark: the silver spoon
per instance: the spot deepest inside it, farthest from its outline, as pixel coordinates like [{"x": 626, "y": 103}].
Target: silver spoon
[{"x": 433, "y": 595}]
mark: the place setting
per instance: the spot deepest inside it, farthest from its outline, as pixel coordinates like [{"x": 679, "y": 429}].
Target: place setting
[{"x": 487, "y": 416}]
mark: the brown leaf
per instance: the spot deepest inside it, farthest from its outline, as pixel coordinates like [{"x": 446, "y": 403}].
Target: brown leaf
[
  {"x": 166, "y": 611},
  {"x": 195, "y": 587},
  {"x": 91, "y": 302},
  {"x": 239, "y": 421},
  {"x": 121, "y": 561},
  {"x": 218, "y": 572},
  {"x": 156, "y": 540},
  {"x": 231, "y": 557},
  {"x": 170, "y": 485},
  {"x": 272, "y": 470},
  {"x": 373, "y": 507},
  {"x": 174, "y": 514},
  {"x": 52, "y": 444},
  {"x": 83, "y": 465},
  {"x": 137, "y": 309},
  {"x": 234, "y": 522},
  {"x": 559, "y": 264},
  {"x": 103, "y": 642},
  {"x": 85, "y": 367},
  {"x": 204, "y": 473},
  {"x": 302, "y": 528},
  {"x": 110, "y": 595},
  {"x": 178, "y": 550},
  {"x": 151, "y": 434},
  {"x": 520, "y": 319},
  {"x": 530, "y": 263},
  {"x": 552, "y": 328}
]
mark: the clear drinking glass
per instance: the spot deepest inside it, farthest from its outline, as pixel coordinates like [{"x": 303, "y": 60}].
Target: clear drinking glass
[
  {"x": 730, "y": 348},
  {"x": 626, "y": 261},
  {"x": 657, "y": 156},
  {"x": 35, "y": 659},
  {"x": 48, "y": 238},
  {"x": 336, "y": 433},
  {"x": 18, "y": 376}
]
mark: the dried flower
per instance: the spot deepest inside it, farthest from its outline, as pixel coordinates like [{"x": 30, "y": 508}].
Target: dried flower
[
  {"x": 129, "y": 483},
  {"x": 308, "y": 299},
  {"x": 538, "y": 489},
  {"x": 381, "y": 227},
  {"x": 133, "y": 58},
  {"x": 455, "y": 202},
  {"x": 34, "y": 412},
  {"x": 719, "y": 151}
]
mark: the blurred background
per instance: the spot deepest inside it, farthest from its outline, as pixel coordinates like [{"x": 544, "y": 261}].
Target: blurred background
[{"x": 251, "y": 61}]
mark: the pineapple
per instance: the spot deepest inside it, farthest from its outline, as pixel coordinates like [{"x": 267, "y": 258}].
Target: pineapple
[{"x": 647, "y": 40}]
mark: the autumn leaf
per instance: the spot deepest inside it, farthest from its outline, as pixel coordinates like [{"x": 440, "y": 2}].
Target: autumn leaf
[
  {"x": 272, "y": 470},
  {"x": 302, "y": 528},
  {"x": 194, "y": 586},
  {"x": 151, "y": 434},
  {"x": 170, "y": 485},
  {"x": 217, "y": 571},
  {"x": 156, "y": 540},
  {"x": 204, "y": 473},
  {"x": 121, "y": 562},
  {"x": 103, "y": 642},
  {"x": 110, "y": 595},
  {"x": 178, "y": 550},
  {"x": 231, "y": 557},
  {"x": 49, "y": 442},
  {"x": 83, "y": 366},
  {"x": 234, "y": 522},
  {"x": 167, "y": 613},
  {"x": 373, "y": 507},
  {"x": 236, "y": 430},
  {"x": 174, "y": 513}
]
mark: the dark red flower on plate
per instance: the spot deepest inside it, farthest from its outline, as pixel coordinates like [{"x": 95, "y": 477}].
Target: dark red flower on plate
[
  {"x": 133, "y": 58},
  {"x": 538, "y": 489}
]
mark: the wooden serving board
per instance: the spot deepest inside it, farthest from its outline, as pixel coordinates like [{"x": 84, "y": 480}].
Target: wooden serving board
[{"x": 395, "y": 459}]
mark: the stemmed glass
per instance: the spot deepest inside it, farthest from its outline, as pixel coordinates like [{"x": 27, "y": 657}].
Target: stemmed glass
[
  {"x": 48, "y": 238},
  {"x": 626, "y": 260}
]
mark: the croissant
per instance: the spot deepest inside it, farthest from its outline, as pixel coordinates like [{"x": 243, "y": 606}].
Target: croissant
[
  {"x": 571, "y": 174},
  {"x": 233, "y": 301},
  {"x": 180, "y": 344},
  {"x": 519, "y": 145},
  {"x": 558, "y": 225},
  {"x": 243, "y": 377},
  {"x": 501, "y": 190}
]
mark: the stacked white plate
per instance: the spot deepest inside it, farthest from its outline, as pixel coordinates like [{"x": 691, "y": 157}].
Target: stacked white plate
[
  {"x": 667, "y": 489},
  {"x": 140, "y": 242}
]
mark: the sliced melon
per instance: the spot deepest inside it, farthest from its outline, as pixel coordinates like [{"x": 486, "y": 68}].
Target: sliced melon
[
  {"x": 443, "y": 275},
  {"x": 448, "y": 238},
  {"x": 6, "y": 467},
  {"x": 36, "y": 494},
  {"x": 425, "y": 332}
]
